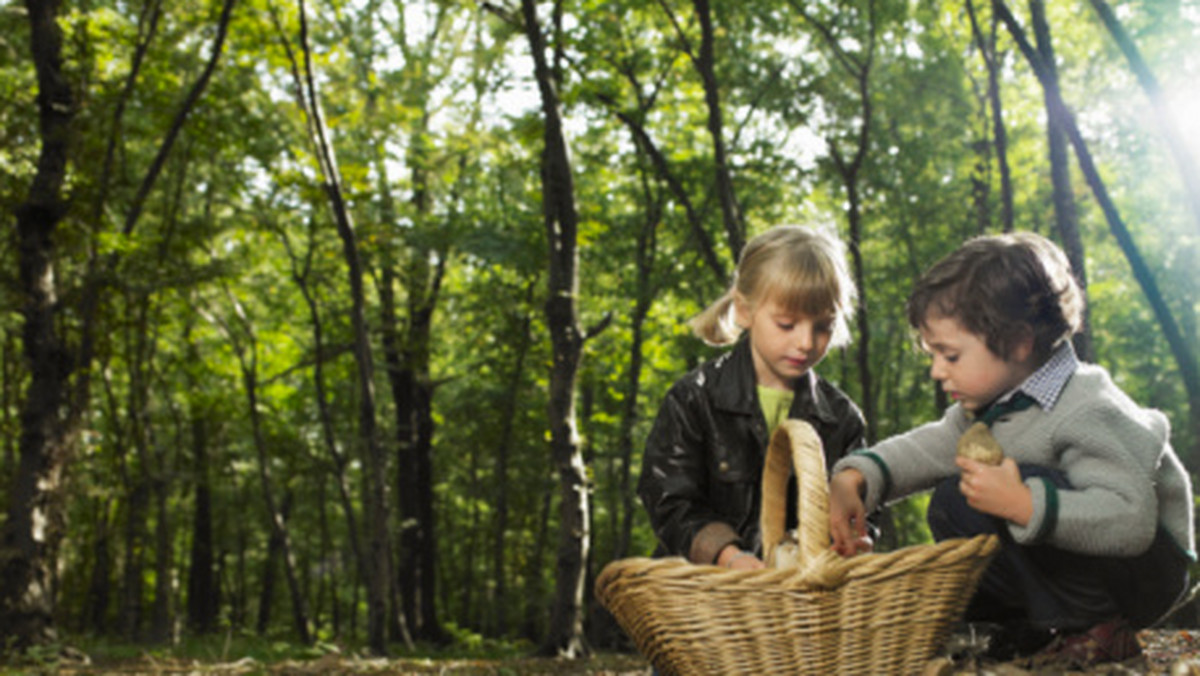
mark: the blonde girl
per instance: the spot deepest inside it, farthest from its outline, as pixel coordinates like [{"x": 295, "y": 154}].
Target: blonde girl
[{"x": 791, "y": 300}]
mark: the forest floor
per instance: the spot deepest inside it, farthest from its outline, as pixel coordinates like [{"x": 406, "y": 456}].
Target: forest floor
[{"x": 1168, "y": 652}]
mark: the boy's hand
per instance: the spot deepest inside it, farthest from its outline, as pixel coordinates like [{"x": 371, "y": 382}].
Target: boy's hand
[
  {"x": 997, "y": 490},
  {"x": 847, "y": 514}
]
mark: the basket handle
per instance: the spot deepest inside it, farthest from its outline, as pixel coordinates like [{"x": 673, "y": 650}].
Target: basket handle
[{"x": 795, "y": 444}]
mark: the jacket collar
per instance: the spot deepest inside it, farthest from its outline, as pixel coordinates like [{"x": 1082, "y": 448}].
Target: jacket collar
[{"x": 733, "y": 387}]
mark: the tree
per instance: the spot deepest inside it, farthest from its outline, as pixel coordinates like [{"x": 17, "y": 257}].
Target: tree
[
  {"x": 1065, "y": 218},
  {"x": 1176, "y": 144},
  {"x": 849, "y": 168},
  {"x": 561, "y": 223},
  {"x": 991, "y": 55},
  {"x": 34, "y": 527},
  {"x": 379, "y": 567},
  {"x": 1189, "y": 370}
]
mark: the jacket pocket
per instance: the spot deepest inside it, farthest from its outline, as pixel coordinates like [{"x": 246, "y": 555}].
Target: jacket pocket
[{"x": 729, "y": 467}]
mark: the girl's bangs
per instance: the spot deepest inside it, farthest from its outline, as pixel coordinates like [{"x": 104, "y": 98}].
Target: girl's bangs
[{"x": 811, "y": 292}]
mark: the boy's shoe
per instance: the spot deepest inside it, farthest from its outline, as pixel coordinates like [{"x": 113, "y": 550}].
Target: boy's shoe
[
  {"x": 1112, "y": 641},
  {"x": 1017, "y": 638},
  {"x": 996, "y": 641}
]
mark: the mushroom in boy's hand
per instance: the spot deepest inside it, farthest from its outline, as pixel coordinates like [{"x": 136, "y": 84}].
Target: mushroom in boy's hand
[{"x": 977, "y": 443}]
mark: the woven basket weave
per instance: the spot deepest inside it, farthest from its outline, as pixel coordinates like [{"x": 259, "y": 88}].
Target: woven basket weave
[{"x": 869, "y": 614}]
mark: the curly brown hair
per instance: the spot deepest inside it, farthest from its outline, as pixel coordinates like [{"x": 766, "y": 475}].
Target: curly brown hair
[{"x": 1003, "y": 288}]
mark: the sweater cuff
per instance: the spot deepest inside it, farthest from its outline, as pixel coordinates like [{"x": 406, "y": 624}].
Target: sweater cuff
[
  {"x": 875, "y": 472},
  {"x": 1045, "y": 513},
  {"x": 710, "y": 540}
]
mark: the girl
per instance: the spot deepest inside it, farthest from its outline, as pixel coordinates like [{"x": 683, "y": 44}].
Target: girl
[{"x": 702, "y": 469}]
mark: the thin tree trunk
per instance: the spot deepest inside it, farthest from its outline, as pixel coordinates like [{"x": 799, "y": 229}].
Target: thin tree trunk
[
  {"x": 849, "y": 169},
  {"x": 407, "y": 359},
  {"x": 500, "y": 610},
  {"x": 129, "y": 618},
  {"x": 647, "y": 244},
  {"x": 162, "y": 614},
  {"x": 533, "y": 624},
  {"x": 991, "y": 59},
  {"x": 201, "y": 586},
  {"x": 1065, "y": 216},
  {"x": 565, "y": 636},
  {"x": 301, "y": 268},
  {"x": 695, "y": 218},
  {"x": 735, "y": 230},
  {"x": 1189, "y": 370},
  {"x": 277, "y": 516},
  {"x": 1176, "y": 144},
  {"x": 266, "y": 591},
  {"x": 189, "y": 104},
  {"x": 379, "y": 567},
  {"x": 95, "y": 620}
]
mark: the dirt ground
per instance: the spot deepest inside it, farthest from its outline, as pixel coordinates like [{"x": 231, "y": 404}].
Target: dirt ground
[{"x": 1167, "y": 652}]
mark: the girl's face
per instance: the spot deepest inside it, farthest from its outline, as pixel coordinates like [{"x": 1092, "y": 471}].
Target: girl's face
[
  {"x": 969, "y": 372},
  {"x": 785, "y": 345}
]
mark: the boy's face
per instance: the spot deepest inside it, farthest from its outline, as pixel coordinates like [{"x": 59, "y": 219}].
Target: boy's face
[
  {"x": 968, "y": 371},
  {"x": 785, "y": 345}
]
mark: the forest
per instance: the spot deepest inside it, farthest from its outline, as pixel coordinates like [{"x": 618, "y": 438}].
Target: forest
[{"x": 344, "y": 321}]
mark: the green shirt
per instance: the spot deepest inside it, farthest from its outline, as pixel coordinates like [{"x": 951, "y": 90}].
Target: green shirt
[{"x": 775, "y": 406}]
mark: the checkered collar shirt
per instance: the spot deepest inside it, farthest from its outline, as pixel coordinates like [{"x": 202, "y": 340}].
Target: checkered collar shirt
[{"x": 1046, "y": 384}]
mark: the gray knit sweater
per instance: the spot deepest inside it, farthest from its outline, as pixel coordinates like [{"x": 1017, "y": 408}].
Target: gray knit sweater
[{"x": 1125, "y": 478}]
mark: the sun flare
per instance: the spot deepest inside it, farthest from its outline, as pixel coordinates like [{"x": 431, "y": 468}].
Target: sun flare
[{"x": 1184, "y": 105}]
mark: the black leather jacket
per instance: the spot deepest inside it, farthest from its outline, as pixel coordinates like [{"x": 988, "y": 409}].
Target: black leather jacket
[{"x": 702, "y": 469}]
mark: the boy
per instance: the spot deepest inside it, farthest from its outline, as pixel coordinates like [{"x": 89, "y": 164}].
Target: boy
[{"x": 1093, "y": 507}]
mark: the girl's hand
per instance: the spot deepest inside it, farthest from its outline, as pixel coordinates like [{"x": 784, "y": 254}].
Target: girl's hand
[
  {"x": 735, "y": 558},
  {"x": 847, "y": 514},
  {"x": 997, "y": 490}
]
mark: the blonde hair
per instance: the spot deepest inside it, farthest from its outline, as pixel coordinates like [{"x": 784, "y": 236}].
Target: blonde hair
[{"x": 803, "y": 269}]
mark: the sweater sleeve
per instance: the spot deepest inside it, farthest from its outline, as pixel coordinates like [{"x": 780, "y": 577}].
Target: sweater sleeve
[
  {"x": 1109, "y": 454},
  {"x": 910, "y": 462}
]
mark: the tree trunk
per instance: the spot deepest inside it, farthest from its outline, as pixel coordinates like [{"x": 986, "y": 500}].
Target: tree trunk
[
  {"x": 408, "y": 358},
  {"x": 647, "y": 244},
  {"x": 95, "y": 620},
  {"x": 378, "y": 571},
  {"x": 1065, "y": 216},
  {"x": 858, "y": 67},
  {"x": 695, "y": 218},
  {"x": 201, "y": 586},
  {"x": 512, "y": 402},
  {"x": 277, "y": 516},
  {"x": 735, "y": 229},
  {"x": 534, "y": 620},
  {"x": 991, "y": 59},
  {"x": 1176, "y": 144},
  {"x": 301, "y": 268},
  {"x": 129, "y": 619},
  {"x": 162, "y": 614},
  {"x": 1189, "y": 370},
  {"x": 565, "y": 635},
  {"x": 266, "y": 591},
  {"x": 34, "y": 527}
]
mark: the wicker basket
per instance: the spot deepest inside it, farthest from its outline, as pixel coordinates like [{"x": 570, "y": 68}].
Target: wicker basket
[{"x": 870, "y": 614}]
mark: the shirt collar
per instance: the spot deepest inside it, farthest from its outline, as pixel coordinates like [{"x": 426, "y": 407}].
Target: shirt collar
[
  {"x": 1046, "y": 384},
  {"x": 734, "y": 386}
]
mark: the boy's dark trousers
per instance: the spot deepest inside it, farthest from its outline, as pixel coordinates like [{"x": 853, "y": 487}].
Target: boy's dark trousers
[{"x": 1055, "y": 589}]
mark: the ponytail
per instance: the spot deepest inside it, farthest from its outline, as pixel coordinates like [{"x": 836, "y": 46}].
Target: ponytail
[{"x": 717, "y": 323}]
